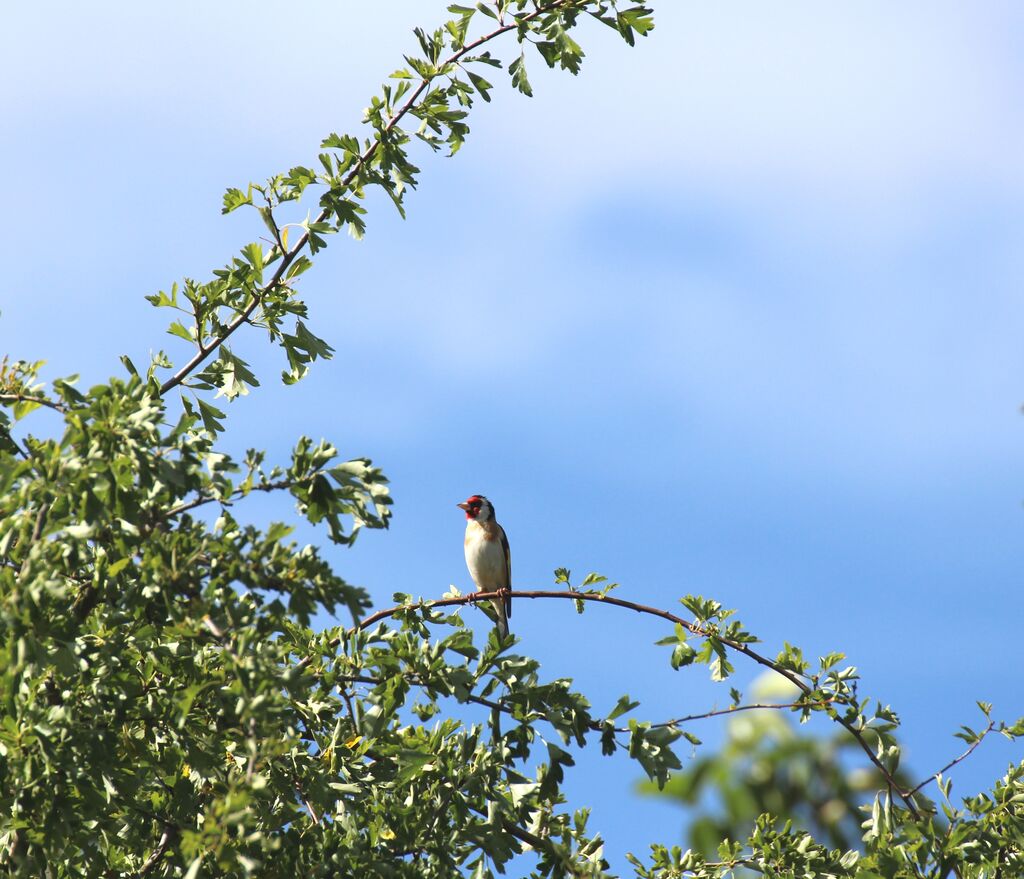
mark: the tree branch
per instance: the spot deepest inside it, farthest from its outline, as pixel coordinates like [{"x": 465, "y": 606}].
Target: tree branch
[
  {"x": 796, "y": 679},
  {"x": 305, "y": 801},
  {"x": 288, "y": 257},
  {"x": 934, "y": 776},
  {"x": 732, "y": 709},
  {"x": 538, "y": 843},
  {"x": 37, "y": 533},
  {"x": 29, "y": 398},
  {"x": 158, "y": 853},
  {"x": 238, "y": 492},
  {"x": 595, "y": 725}
]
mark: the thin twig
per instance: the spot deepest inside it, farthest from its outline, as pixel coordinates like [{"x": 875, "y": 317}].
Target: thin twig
[
  {"x": 288, "y": 257},
  {"x": 348, "y": 704},
  {"x": 595, "y": 725},
  {"x": 934, "y": 776},
  {"x": 158, "y": 853},
  {"x": 305, "y": 801},
  {"x": 732, "y": 709},
  {"x": 238, "y": 492},
  {"x": 1000, "y": 860},
  {"x": 37, "y": 533},
  {"x": 29, "y": 398},
  {"x": 416, "y": 680},
  {"x": 17, "y": 446}
]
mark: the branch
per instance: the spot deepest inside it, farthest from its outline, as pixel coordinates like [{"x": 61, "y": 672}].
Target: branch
[
  {"x": 934, "y": 776},
  {"x": 305, "y": 801},
  {"x": 595, "y": 725},
  {"x": 5, "y": 434},
  {"x": 158, "y": 853},
  {"x": 416, "y": 680},
  {"x": 694, "y": 628},
  {"x": 238, "y": 492},
  {"x": 794, "y": 678},
  {"x": 204, "y": 350},
  {"x": 539, "y": 843},
  {"x": 37, "y": 533},
  {"x": 732, "y": 709},
  {"x": 29, "y": 398}
]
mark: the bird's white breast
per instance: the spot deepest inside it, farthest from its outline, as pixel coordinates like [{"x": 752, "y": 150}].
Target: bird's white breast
[{"x": 485, "y": 558}]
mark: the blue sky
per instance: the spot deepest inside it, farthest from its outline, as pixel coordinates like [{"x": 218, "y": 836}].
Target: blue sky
[{"x": 735, "y": 312}]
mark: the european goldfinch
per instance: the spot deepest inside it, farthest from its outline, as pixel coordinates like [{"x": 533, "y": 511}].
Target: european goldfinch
[{"x": 488, "y": 557}]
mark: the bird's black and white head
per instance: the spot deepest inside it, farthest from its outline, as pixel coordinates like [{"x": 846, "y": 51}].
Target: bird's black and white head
[{"x": 477, "y": 508}]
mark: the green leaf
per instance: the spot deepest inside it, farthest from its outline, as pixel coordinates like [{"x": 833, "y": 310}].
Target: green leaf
[
  {"x": 1015, "y": 730},
  {"x": 486, "y": 10},
  {"x": 721, "y": 668},
  {"x": 253, "y": 254},
  {"x": 519, "y": 80},
  {"x": 181, "y": 331},
  {"x": 212, "y": 416},
  {"x": 682, "y": 655},
  {"x": 480, "y": 84},
  {"x": 623, "y": 706},
  {"x": 235, "y": 198}
]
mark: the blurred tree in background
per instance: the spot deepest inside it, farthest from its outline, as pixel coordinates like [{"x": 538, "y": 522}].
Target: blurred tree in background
[{"x": 769, "y": 765}]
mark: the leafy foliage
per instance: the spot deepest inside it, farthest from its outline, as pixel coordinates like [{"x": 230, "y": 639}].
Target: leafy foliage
[
  {"x": 767, "y": 765},
  {"x": 170, "y": 711}
]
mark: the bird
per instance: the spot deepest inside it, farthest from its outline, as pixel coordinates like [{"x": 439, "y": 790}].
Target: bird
[{"x": 488, "y": 557}]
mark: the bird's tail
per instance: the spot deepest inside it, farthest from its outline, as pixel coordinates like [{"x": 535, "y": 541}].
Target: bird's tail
[{"x": 499, "y": 609}]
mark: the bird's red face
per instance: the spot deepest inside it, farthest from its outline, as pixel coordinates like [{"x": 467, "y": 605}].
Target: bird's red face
[{"x": 473, "y": 506}]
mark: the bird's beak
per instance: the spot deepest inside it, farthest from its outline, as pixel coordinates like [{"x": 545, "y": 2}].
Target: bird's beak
[{"x": 463, "y": 506}]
